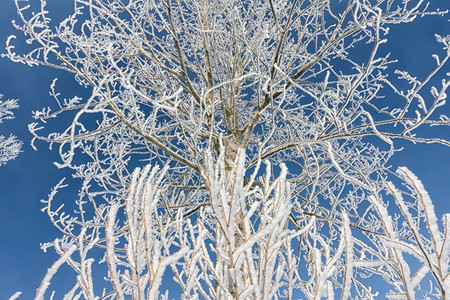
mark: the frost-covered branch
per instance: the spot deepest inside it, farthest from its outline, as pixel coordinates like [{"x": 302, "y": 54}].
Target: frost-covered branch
[
  {"x": 9, "y": 146},
  {"x": 414, "y": 233}
]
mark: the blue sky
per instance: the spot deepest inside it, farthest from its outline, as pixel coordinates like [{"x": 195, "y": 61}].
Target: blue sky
[{"x": 31, "y": 176}]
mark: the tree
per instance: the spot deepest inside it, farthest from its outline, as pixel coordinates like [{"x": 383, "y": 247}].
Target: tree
[
  {"x": 189, "y": 100},
  {"x": 9, "y": 147}
]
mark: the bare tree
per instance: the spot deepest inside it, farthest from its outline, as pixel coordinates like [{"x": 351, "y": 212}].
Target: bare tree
[
  {"x": 9, "y": 147},
  {"x": 200, "y": 95}
]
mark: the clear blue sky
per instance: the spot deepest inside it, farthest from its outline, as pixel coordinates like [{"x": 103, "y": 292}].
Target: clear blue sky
[{"x": 31, "y": 176}]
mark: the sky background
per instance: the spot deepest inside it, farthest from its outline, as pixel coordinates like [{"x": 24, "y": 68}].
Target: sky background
[{"x": 29, "y": 178}]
